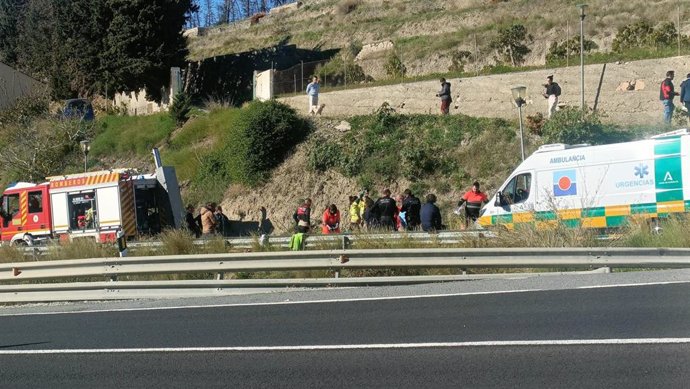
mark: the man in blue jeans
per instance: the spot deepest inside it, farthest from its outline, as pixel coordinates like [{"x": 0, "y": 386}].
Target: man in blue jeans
[{"x": 666, "y": 95}]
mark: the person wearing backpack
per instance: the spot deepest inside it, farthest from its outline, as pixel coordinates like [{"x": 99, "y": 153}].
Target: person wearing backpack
[{"x": 551, "y": 92}]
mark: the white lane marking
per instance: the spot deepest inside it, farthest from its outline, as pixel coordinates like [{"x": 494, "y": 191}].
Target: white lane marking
[
  {"x": 235, "y": 305},
  {"x": 380, "y": 346},
  {"x": 272, "y": 303}
]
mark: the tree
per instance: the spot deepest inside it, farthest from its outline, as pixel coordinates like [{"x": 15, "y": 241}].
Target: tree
[
  {"x": 511, "y": 44},
  {"x": 10, "y": 11},
  {"x": 143, "y": 40},
  {"x": 394, "y": 66}
]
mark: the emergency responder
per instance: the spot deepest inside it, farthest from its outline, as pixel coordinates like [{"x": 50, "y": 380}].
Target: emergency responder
[
  {"x": 385, "y": 210},
  {"x": 330, "y": 222},
  {"x": 411, "y": 206},
  {"x": 302, "y": 216},
  {"x": 474, "y": 200}
]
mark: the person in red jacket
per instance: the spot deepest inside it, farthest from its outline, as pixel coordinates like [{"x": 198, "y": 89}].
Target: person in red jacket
[
  {"x": 666, "y": 95},
  {"x": 474, "y": 199},
  {"x": 330, "y": 222}
]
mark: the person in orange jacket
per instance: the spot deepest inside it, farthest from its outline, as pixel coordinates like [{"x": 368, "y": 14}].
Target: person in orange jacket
[{"x": 330, "y": 222}]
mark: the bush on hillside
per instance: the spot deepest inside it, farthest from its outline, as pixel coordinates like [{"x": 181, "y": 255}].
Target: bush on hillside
[
  {"x": 394, "y": 66},
  {"x": 322, "y": 154},
  {"x": 641, "y": 34},
  {"x": 560, "y": 50},
  {"x": 256, "y": 141},
  {"x": 573, "y": 126},
  {"x": 180, "y": 107}
]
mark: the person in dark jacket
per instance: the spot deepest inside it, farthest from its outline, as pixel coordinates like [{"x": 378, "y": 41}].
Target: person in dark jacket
[
  {"x": 411, "y": 206},
  {"x": 302, "y": 216},
  {"x": 685, "y": 95},
  {"x": 191, "y": 221},
  {"x": 385, "y": 210},
  {"x": 444, "y": 94},
  {"x": 431, "y": 215},
  {"x": 666, "y": 95}
]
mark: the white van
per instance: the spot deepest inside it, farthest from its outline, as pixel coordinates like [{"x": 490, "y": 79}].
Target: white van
[{"x": 596, "y": 186}]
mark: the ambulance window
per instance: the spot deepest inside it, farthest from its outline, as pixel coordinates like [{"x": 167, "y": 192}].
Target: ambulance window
[
  {"x": 82, "y": 211},
  {"x": 12, "y": 204},
  {"x": 517, "y": 190},
  {"x": 35, "y": 202}
]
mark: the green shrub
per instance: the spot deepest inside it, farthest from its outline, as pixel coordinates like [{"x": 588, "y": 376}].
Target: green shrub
[
  {"x": 257, "y": 140},
  {"x": 641, "y": 34},
  {"x": 322, "y": 154},
  {"x": 394, "y": 66},
  {"x": 180, "y": 107},
  {"x": 511, "y": 44},
  {"x": 569, "y": 47},
  {"x": 572, "y": 126}
]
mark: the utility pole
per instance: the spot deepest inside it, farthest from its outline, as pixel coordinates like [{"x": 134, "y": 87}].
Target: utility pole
[
  {"x": 678, "y": 32},
  {"x": 582, "y": 54}
]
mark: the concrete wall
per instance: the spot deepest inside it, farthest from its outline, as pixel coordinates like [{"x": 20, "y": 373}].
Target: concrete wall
[
  {"x": 135, "y": 103},
  {"x": 15, "y": 84},
  {"x": 263, "y": 85},
  {"x": 490, "y": 96}
]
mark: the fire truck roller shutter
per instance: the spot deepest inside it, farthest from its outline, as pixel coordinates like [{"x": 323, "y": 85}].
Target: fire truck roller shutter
[
  {"x": 107, "y": 200},
  {"x": 58, "y": 208}
]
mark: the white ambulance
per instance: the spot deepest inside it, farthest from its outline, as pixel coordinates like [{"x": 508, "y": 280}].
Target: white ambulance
[{"x": 596, "y": 186}]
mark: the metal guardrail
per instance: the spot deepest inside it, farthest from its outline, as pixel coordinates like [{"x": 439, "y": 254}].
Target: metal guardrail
[
  {"x": 283, "y": 241},
  {"x": 334, "y": 260}
]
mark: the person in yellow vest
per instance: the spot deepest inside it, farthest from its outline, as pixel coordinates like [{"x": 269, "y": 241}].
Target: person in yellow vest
[{"x": 355, "y": 213}]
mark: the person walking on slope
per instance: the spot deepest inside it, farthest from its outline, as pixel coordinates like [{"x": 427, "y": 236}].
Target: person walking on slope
[
  {"x": 313, "y": 95},
  {"x": 411, "y": 207},
  {"x": 666, "y": 95},
  {"x": 330, "y": 222},
  {"x": 385, "y": 210},
  {"x": 302, "y": 216},
  {"x": 444, "y": 94},
  {"x": 474, "y": 199},
  {"x": 685, "y": 96},
  {"x": 551, "y": 92}
]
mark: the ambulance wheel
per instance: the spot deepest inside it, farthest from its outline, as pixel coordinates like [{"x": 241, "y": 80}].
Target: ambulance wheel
[{"x": 20, "y": 242}]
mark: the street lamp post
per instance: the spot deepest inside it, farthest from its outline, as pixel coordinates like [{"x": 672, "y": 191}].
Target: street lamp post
[
  {"x": 519, "y": 93},
  {"x": 85, "y": 148},
  {"x": 582, "y": 8}
]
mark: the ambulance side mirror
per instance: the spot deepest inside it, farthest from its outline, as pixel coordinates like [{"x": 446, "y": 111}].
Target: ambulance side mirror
[{"x": 499, "y": 196}]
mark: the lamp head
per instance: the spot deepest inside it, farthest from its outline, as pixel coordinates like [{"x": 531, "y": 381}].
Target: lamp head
[
  {"x": 85, "y": 146},
  {"x": 582, "y": 8},
  {"x": 519, "y": 94}
]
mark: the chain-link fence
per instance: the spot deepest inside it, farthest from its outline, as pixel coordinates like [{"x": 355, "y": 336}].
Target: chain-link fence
[{"x": 296, "y": 78}]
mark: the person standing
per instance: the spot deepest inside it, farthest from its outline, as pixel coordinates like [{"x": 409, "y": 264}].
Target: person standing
[
  {"x": 221, "y": 220},
  {"x": 313, "y": 95},
  {"x": 191, "y": 221},
  {"x": 411, "y": 206},
  {"x": 475, "y": 199},
  {"x": 444, "y": 94},
  {"x": 385, "y": 210},
  {"x": 551, "y": 92},
  {"x": 355, "y": 213},
  {"x": 208, "y": 220},
  {"x": 330, "y": 222},
  {"x": 302, "y": 216},
  {"x": 685, "y": 95},
  {"x": 666, "y": 95},
  {"x": 430, "y": 215}
]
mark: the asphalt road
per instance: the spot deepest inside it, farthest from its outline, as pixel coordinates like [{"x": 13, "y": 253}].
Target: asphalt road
[{"x": 363, "y": 340}]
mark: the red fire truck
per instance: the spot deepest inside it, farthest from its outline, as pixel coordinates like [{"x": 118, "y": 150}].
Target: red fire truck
[{"x": 93, "y": 204}]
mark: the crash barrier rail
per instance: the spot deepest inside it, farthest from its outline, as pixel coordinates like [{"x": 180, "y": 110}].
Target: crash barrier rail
[
  {"x": 333, "y": 260},
  {"x": 343, "y": 240}
]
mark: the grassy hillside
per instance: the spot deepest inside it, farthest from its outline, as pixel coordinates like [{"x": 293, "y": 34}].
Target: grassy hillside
[{"x": 428, "y": 34}]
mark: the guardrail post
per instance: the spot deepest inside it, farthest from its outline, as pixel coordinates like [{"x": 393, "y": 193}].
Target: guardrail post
[
  {"x": 346, "y": 242},
  {"x": 122, "y": 243},
  {"x": 220, "y": 276}
]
